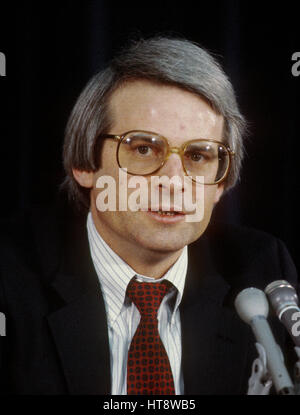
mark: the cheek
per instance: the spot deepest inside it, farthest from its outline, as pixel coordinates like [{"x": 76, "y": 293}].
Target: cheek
[
  {"x": 108, "y": 156},
  {"x": 210, "y": 196},
  {"x": 108, "y": 166}
]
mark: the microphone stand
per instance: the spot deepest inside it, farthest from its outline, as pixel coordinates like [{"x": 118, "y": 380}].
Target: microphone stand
[{"x": 260, "y": 381}]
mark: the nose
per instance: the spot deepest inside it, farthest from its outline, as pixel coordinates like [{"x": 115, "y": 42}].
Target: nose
[{"x": 173, "y": 169}]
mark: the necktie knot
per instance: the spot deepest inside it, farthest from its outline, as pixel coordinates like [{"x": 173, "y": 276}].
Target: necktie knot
[{"x": 147, "y": 296}]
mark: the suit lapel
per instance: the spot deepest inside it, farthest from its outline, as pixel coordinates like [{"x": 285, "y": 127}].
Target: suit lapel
[
  {"x": 78, "y": 322},
  {"x": 212, "y": 333},
  {"x": 79, "y": 330}
]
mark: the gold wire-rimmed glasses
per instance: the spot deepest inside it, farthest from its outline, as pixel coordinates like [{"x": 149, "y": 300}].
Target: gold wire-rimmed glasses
[{"x": 144, "y": 152}]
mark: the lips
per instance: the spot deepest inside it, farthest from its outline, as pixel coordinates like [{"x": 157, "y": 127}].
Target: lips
[
  {"x": 168, "y": 213},
  {"x": 171, "y": 212},
  {"x": 166, "y": 216}
]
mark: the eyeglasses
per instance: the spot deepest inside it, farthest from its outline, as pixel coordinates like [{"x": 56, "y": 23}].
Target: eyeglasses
[{"x": 143, "y": 153}]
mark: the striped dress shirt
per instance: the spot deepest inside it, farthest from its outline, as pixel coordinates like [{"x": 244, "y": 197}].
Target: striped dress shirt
[{"x": 122, "y": 315}]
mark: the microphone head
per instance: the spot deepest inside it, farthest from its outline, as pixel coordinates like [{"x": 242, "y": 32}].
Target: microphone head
[
  {"x": 281, "y": 295},
  {"x": 251, "y": 303}
]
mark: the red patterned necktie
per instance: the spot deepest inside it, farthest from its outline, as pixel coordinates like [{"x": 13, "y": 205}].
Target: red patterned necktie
[{"x": 148, "y": 367}]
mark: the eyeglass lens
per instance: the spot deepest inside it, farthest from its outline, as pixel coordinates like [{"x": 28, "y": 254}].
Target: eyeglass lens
[{"x": 143, "y": 153}]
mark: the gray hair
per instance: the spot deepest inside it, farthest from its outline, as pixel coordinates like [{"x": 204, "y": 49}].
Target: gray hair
[{"x": 164, "y": 60}]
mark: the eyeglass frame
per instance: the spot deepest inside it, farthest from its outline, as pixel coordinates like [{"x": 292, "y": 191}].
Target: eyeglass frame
[{"x": 176, "y": 150}]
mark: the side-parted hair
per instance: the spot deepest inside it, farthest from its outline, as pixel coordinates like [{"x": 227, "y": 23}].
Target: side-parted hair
[{"x": 177, "y": 62}]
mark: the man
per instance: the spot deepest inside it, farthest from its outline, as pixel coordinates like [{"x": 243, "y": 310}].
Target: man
[{"x": 70, "y": 281}]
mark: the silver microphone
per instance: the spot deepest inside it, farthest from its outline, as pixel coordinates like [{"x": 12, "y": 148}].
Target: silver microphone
[
  {"x": 252, "y": 306},
  {"x": 284, "y": 300}
]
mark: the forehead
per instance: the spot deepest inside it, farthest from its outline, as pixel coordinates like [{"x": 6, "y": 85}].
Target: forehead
[{"x": 165, "y": 109}]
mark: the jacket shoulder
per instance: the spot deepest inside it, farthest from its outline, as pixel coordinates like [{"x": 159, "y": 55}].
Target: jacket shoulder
[
  {"x": 22, "y": 237},
  {"x": 245, "y": 254}
]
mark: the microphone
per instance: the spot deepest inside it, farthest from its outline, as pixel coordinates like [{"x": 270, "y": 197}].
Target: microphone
[
  {"x": 252, "y": 306},
  {"x": 284, "y": 300}
]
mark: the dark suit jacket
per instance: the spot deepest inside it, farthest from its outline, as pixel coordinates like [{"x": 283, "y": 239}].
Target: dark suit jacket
[{"x": 56, "y": 331}]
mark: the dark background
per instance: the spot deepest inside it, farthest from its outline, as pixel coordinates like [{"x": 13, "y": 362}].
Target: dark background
[{"x": 53, "y": 49}]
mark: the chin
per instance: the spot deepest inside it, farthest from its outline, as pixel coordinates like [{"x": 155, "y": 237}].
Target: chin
[{"x": 159, "y": 245}]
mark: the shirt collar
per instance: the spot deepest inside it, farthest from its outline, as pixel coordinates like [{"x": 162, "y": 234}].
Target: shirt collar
[{"x": 115, "y": 274}]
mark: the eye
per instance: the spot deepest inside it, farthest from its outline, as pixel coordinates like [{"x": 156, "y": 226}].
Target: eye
[
  {"x": 196, "y": 156},
  {"x": 200, "y": 153},
  {"x": 143, "y": 149}
]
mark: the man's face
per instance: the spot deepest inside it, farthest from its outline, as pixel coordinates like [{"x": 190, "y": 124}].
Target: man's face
[{"x": 179, "y": 116}]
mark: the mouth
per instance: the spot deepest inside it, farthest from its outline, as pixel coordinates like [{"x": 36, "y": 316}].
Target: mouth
[
  {"x": 168, "y": 213},
  {"x": 166, "y": 216}
]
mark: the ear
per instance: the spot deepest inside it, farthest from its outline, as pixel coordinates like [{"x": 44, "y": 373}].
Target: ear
[
  {"x": 84, "y": 178},
  {"x": 219, "y": 193}
]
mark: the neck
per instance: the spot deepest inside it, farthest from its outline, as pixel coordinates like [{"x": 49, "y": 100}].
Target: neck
[{"x": 153, "y": 265}]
